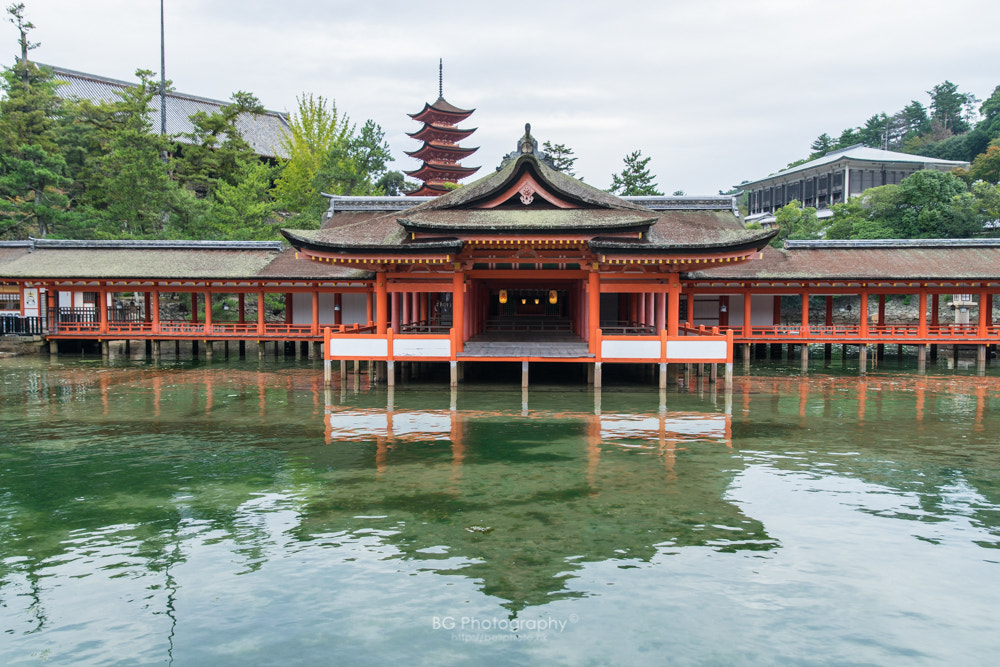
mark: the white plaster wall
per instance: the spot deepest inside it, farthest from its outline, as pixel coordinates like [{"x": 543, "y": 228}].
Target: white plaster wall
[
  {"x": 353, "y": 308},
  {"x": 421, "y": 347}
]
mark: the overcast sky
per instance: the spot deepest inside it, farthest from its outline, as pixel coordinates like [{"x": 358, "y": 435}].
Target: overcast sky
[{"x": 715, "y": 91}]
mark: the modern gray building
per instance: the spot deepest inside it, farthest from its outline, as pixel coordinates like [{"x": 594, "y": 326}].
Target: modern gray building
[{"x": 836, "y": 177}]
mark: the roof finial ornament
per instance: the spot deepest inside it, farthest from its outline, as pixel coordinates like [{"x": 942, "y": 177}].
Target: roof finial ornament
[
  {"x": 528, "y": 144},
  {"x": 441, "y": 78}
]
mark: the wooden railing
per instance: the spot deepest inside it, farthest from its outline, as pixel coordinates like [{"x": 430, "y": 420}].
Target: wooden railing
[
  {"x": 904, "y": 332},
  {"x": 16, "y": 325}
]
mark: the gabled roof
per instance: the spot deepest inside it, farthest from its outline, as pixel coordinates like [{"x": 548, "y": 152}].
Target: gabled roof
[
  {"x": 528, "y": 197},
  {"x": 864, "y": 154},
  {"x": 263, "y": 132}
]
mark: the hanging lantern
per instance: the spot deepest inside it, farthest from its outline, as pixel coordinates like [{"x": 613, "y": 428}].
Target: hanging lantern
[
  {"x": 524, "y": 301},
  {"x": 553, "y": 296},
  {"x": 536, "y": 302},
  {"x": 503, "y": 296}
]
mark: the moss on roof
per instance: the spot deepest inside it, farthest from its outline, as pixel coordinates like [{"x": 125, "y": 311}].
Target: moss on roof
[{"x": 124, "y": 263}]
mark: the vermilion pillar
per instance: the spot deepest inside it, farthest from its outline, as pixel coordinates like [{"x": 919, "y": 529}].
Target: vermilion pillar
[
  {"x": 593, "y": 304},
  {"x": 674, "y": 307},
  {"x": 747, "y": 303},
  {"x": 381, "y": 305},
  {"x": 261, "y": 324},
  {"x": 864, "y": 315},
  {"x": 458, "y": 306},
  {"x": 922, "y": 315}
]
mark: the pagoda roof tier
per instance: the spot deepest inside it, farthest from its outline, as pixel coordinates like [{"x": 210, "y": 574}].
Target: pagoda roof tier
[
  {"x": 437, "y": 134},
  {"x": 429, "y": 190},
  {"x": 443, "y": 172},
  {"x": 430, "y": 152},
  {"x": 441, "y": 112}
]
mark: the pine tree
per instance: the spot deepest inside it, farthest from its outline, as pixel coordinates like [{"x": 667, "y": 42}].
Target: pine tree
[
  {"x": 32, "y": 168},
  {"x": 635, "y": 179},
  {"x": 562, "y": 157}
]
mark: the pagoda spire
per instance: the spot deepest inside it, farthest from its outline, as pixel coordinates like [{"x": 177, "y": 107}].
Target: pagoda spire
[{"x": 440, "y": 152}]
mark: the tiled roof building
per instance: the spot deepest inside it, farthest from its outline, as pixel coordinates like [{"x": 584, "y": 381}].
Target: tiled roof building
[{"x": 263, "y": 132}]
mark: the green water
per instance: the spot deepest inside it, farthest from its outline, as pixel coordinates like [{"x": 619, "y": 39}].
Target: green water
[{"x": 234, "y": 514}]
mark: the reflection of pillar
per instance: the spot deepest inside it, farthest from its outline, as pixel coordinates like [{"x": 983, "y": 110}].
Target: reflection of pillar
[
  {"x": 593, "y": 449},
  {"x": 920, "y": 390},
  {"x": 980, "y": 407},
  {"x": 862, "y": 395}
]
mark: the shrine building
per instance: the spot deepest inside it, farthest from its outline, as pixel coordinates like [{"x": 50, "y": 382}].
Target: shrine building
[{"x": 524, "y": 266}]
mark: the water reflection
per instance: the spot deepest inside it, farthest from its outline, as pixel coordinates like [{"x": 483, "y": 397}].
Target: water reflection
[
  {"x": 526, "y": 499},
  {"x": 147, "y": 494}
]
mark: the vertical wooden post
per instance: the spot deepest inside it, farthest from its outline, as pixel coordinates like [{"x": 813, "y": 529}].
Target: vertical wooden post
[
  {"x": 458, "y": 307},
  {"x": 661, "y": 311},
  {"x": 314, "y": 329},
  {"x": 381, "y": 305},
  {"x": 747, "y": 317},
  {"x": 194, "y": 308},
  {"x": 674, "y": 307},
  {"x": 922, "y": 314},
  {"x": 593, "y": 307},
  {"x": 981, "y": 320},
  {"x": 805, "y": 315},
  {"x": 863, "y": 314},
  {"x": 208, "y": 312},
  {"x": 261, "y": 325},
  {"x": 154, "y": 310}
]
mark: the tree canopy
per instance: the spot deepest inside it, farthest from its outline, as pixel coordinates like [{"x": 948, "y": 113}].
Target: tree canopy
[
  {"x": 76, "y": 168},
  {"x": 635, "y": 179}
]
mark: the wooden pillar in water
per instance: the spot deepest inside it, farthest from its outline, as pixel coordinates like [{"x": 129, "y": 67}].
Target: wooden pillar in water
[{"x": 863, "y": 358}]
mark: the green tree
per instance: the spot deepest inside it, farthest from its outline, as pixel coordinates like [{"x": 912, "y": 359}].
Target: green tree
[
  {"x": 124, "y": 186},
  {"x": 217, "y": 149},
  {"x": 635, "y": 179},
  {"x": 821, "y": 146},
  {"x": 32, "y": 169},
  {"x": 986, "y": 166},
  {"x": 393, "y": 184},
  {"x": 934, "y": 204},
  {"x": 796, "y": 223},
  {"x": 951, "y": 108},
  {"x": 562, "y": 157},
  {"x": 875, "y": 133},
  {"x": 314, "y": 131},
  {"x": 244, "y": 210}
]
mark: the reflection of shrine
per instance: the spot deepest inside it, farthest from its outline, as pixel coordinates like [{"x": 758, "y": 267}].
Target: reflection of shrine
[{"x": 524, "y": 498}]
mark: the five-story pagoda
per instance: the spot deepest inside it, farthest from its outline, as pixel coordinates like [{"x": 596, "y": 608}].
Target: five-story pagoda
[{"x": 440, "y": 152}]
